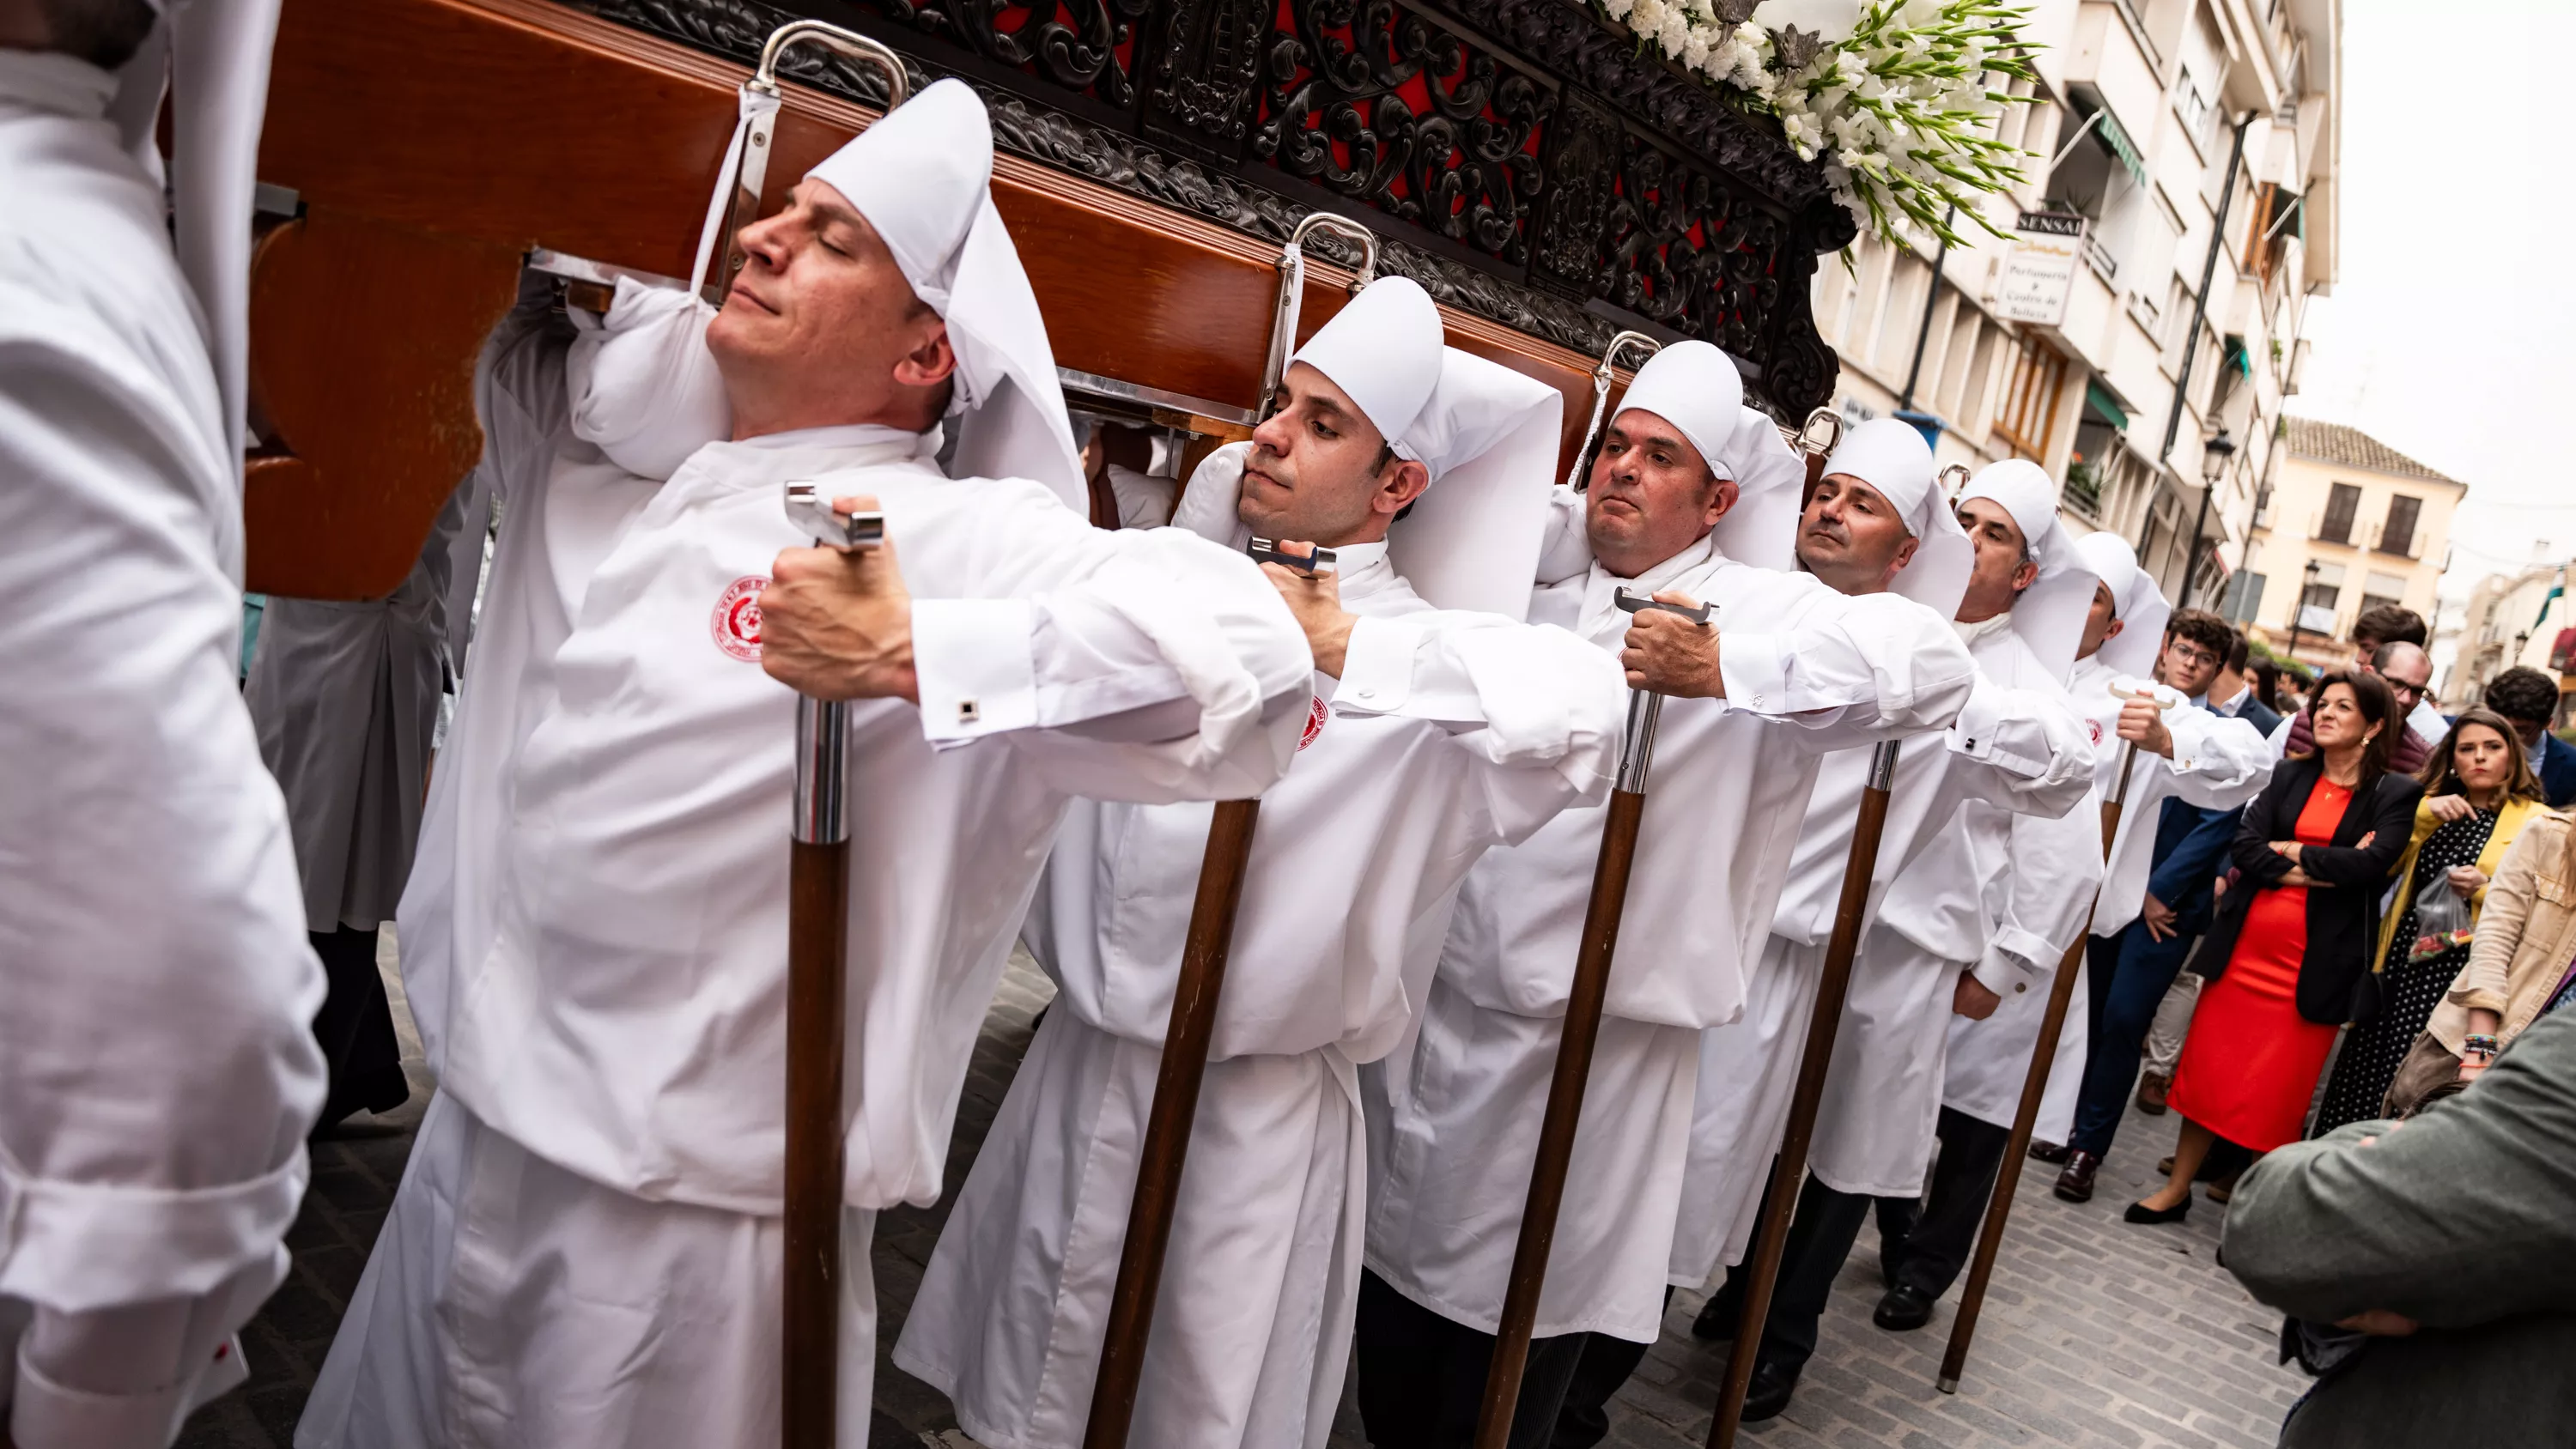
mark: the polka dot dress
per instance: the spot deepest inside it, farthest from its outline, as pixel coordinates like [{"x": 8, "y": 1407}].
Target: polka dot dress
[{"x": 2409, "y": 989}]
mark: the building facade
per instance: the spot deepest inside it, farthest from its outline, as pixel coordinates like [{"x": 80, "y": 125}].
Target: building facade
[
  {"x": 2345, "y": 524},
  {"x": 2518, "y": 618},
  {"x": 2064, "y": 342}
]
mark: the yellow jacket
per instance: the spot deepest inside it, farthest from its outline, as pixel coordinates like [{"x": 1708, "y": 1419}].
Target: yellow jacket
[{"x": 2509, "y": 823}]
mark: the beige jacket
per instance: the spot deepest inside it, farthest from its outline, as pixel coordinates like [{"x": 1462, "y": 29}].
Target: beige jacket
[{"x": 2526, "y": 938}]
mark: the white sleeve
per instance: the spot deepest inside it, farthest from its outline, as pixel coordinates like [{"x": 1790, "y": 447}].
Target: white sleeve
[
  {"x": 157, "y": 1066},
  {"x": 521, "y": 391},
  {"x": 1539, "y": 709},
  {"x": 2045, "y": 887},
  {"x": 1134, "y": 664},
  {"x": 2219, "y": 762},
  {"x": 2028, "y": 750},
  {"x": 1850, "y": 671}
]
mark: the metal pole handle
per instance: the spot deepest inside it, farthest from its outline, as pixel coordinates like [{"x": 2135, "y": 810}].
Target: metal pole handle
[
  {"x": 762, "y": 125},
  {"x": 1601, "y": 374},
  {"x": 1292, "y": 295}
]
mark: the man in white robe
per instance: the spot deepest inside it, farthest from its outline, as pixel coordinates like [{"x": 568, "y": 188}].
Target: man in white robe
[
  {"x": 1436, "y": 733},
  {"x": 2207, "y": 759},
  {"x": 1930, "y": 946},
  {"x": 585, "y": 1249},
  {"x": 157, "y": 1066},
  {"x": 1787, "y": 671}
]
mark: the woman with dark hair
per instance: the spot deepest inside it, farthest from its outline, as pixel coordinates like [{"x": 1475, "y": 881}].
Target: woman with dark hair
[
  {"x": 2478, "y": 793},
  {"x": 2292, "y": 940}
]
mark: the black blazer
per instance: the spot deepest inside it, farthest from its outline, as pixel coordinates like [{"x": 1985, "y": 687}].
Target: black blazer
[{"x": 2343, "y": 908}]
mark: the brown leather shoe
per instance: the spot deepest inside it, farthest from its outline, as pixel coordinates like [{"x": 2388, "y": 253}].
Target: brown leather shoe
[
  {"x": 2049, "y": 1151},
  {"x": 2151, "y": 1093},
  {"x": 2075, "y": 1183}
]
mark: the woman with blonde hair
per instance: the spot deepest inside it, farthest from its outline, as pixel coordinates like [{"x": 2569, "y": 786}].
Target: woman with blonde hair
[
  {"x": 2522, "y": 965},
  {"x": 2479, "y": 793}
]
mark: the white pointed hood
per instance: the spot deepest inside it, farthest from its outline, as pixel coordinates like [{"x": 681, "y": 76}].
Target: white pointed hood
[
  {"x": 1383, "y": 350},
  {"x": 1890, "y": 456},
  {"x": 1488, "y": 436},
  {"x": 1762, "y": 528},
  {"x": 1695, "y": 387},
  {"x": 2135, "y": 601},
  {"x": 211, "y": 57},
  {"x": 922, "y": 176},
  {"x": 2049, "y": 615}
]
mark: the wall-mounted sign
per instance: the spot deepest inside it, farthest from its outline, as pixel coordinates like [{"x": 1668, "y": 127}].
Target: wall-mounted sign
[{"x": 2039, "y": 273}]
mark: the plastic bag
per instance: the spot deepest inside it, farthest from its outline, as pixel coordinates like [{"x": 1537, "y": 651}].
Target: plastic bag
[{"x": 2441, "y": 923}]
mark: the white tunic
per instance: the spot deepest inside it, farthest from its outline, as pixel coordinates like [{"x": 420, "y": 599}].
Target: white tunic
[
  {"x": 595, "y": 934},
  {"x": 1454, "y": 1120},
  {"x": 2218, "y": 763},
  {"x": 1447, "y": 733},
  {"x": 345, "y": 696},
  {"x": 2008, "y": 744},
  {"x": 157, "y": 1065}
]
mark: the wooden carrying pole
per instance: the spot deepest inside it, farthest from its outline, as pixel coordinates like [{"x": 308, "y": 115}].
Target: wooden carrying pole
[
  {"x": 1166, "y": 1146},
  {"x": 818, "y": 923},
  {"x": 1789, "y": 1170},
  {"x": 1574, "y": 1052},
  {"x": 2061, "y": 991}
]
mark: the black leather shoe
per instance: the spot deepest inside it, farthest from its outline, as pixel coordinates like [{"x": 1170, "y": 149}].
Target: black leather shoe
[
  {"x": 1904, "y": 1309},
  {"x": 1772, "y": 1387},
  {"x": 2050, "y": 1151},
  {"x": 2075, "y": 1183},
  {"x": 2141, "y": 1213},
  {"x": 1716, "y": 1320}
]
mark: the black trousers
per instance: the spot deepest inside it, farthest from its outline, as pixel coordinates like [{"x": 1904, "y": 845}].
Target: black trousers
[
  {"x": 1422, "y": 1376},
  {"x": 355, "y": 1028},
  {"x": 1926, "y": 1243},
  {"x": 1821, "y": 1236},
  {"x": 1607, "y": 1363}
]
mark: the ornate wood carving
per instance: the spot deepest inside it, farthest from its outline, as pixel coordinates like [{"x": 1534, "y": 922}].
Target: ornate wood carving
[{"x": 1525, "y": 163}]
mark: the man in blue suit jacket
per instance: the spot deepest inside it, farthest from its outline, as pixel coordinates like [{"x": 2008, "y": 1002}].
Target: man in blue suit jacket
[
  {"x": 2130, "y": 973},
  {"x": 2529, "y": 699}
]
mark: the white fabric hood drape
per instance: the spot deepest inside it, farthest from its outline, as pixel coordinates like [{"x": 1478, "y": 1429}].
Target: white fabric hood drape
[
  {"x": 1695, "y": 387},
  {"x": 2049, "y": 615},
  {"x": 1762, "y": 528},
  {"x": 212, "y": 57},
  {"x": 2135, "y": 602},
  {"x": 1890, "y": 455},
  {"x": 922, "y": 176},
  {"x": 1488, "y": 437},
  {"x": 1383, "y": 349}
]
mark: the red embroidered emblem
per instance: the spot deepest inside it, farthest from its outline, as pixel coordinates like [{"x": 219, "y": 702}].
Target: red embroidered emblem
[
  {"x": 2095, "y": 726},
  {"x": 736, "y": 625},
  {"x": 1314, "y": 722}
]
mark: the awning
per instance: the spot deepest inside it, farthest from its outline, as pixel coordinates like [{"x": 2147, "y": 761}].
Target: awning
[
  {"x": 2107, "y": 131},
  {"x": 2104, "y": 406}
]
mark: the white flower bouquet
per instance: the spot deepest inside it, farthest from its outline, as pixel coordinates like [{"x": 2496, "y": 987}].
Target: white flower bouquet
[{"x": 1897, "y": 96}]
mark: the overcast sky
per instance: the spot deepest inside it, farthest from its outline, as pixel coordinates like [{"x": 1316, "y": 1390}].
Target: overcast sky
[{"x": 2451, "y": 332}]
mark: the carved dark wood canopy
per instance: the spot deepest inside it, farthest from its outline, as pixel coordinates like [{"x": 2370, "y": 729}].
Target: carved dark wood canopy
[{"x": 1526, "y": 162}]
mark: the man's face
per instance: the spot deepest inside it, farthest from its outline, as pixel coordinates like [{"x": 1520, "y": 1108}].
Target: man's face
[
  {"x": 2100, "y": 627},
  {"x": 2527, "y": 730},
  {"x": 2004, "y": 566},
  {"x": 1652, "y": 494},
  {"x": 821, "y": 323},
  {"x": 2190, "y": 666},
  {"x": 1319, "y": 470},
  {"x": 2406, "y": 676},
  {"x": 1851, "y": 537}
]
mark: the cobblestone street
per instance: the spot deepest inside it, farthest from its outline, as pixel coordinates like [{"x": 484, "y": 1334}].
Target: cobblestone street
[{"x": 2097, "y": 1333}]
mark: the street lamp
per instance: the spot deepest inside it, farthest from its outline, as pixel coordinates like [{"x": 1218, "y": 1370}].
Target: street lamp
[
  {"x": 2214, "y": 456},
  {"x": 2299, "y": 605}
]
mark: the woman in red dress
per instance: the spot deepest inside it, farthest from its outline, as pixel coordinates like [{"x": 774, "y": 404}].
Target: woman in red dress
[{"x": 2293, "y": 937}]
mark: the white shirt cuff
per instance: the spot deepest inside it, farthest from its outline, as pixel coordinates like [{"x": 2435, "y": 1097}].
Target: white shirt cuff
[
  {"x": 973, "y": 667},
  {"x": 1377, "y": 666},
  {"x": 42, "y": 1412},
  {"x": 1978, "y": 734},
  {"x": 1754, "y": 673}
]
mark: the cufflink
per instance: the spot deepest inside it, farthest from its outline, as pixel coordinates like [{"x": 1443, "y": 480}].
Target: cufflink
[
  {"x": 968, "y": 711},
  {"x": 2020, "y": 986}
]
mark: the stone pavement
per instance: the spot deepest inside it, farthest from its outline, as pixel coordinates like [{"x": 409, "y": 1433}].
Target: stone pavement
[{"x": 2096, "y": 1333}]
